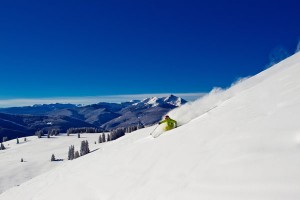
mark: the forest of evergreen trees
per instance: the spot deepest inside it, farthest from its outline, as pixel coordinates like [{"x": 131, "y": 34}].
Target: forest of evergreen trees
[{"x": 83, "y": 130}]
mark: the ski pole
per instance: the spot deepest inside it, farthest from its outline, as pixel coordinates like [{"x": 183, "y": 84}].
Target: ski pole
[{"x": 154, "y": 129}]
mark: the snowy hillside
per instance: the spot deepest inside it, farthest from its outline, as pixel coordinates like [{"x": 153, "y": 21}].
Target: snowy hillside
[
  {"x": 238, "y": 144},
  {"x": 36, "y": 154}
]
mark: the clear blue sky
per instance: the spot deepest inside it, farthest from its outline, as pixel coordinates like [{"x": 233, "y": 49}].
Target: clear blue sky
[{"x": 91, "y": 48}]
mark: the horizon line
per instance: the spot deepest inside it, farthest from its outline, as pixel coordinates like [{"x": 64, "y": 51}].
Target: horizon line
[{"x": 87, "y": 100}]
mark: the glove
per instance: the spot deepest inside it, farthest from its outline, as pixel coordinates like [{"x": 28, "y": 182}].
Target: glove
[{"x": 159, "y": 123}]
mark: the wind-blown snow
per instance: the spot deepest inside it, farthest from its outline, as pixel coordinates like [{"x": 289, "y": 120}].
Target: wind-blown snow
[
  {"x": 245, "y": 147},
  {"x": 219, "y": 96}
]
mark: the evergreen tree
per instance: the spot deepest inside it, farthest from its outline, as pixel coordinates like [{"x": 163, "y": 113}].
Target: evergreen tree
[
  {"x": 108, "y": 137},
  {"x": 53, "y": 158},
  {"x": 22, "y": 160},
  {"x": 71, "y": 152},
  {"x": 100, "y": 138},
  {"x": 87, "y": 147},
  {"x": 18, "y": 141},
  {"x": 54, "y": 132},
  {"x": 84, "y": 148},
  {"x": 25, "y": 139},
  {"x": 76, "y": 155},
  {"x": 78, "y": 135},
  {"x": 48, "y": 135},
  {"x": 39, "y": 133},
  {"x": 103, "y": 137},
  {"x": 2, "y": 147}
]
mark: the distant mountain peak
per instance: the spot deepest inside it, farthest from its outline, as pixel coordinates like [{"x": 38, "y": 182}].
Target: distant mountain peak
[
  {"x": 155, "y": 101},
  {"x": 174, "y": 100},
  {"x": 151, "y": 101}
]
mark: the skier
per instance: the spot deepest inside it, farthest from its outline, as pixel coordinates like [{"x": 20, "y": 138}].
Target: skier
[{"x": 171, "y": 123}]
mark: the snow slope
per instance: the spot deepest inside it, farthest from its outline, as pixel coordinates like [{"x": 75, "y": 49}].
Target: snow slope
[
  {"x": 242, "y": 143},
  {"x": 36, "y": 154}
]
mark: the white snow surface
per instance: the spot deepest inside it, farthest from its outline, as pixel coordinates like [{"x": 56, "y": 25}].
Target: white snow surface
[
  {"x": 36, "y": 154},
  {"x": 239, "y": 144}
]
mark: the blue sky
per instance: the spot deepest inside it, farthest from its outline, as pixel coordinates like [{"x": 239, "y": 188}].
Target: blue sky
[{"x": 52, "y": 49}]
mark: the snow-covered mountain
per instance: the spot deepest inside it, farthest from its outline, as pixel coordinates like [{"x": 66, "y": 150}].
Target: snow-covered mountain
[
  {"x": 102, "y": 115},
  {"x": 37, "y": 109},
  {"x": 239, "y": 144},
  {"x": 146, "y": 112},
  {"x": 169, "y": 100}
]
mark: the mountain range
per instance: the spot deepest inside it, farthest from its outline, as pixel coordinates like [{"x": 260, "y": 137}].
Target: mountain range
[
  {"x": 24, "y": 121},
  {"x": 242, "y": 143}
]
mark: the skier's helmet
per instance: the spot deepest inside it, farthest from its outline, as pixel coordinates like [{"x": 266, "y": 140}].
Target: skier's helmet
[{"x": 167, "y": 116}]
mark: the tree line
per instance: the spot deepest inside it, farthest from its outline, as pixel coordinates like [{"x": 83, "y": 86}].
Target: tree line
[
  {"x": 52, "y": 132},
  {"x": 84, "y": 130}
]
